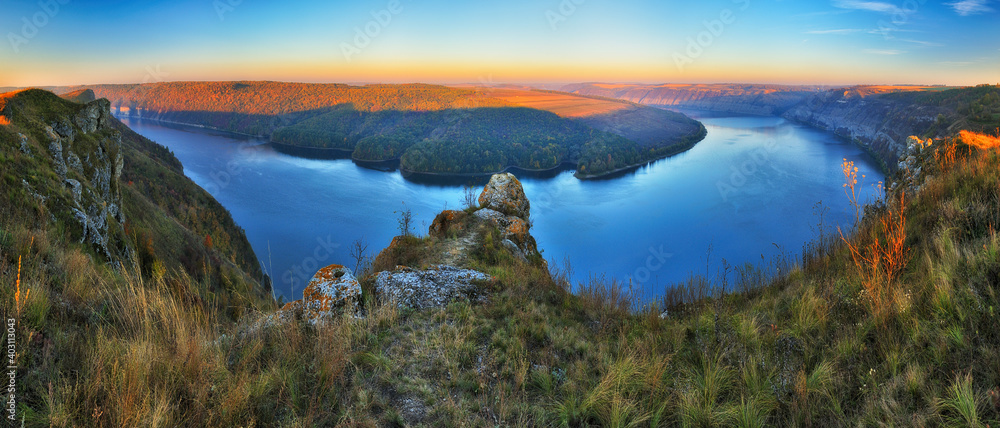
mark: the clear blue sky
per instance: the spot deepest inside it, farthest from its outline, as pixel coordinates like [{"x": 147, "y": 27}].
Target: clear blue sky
[{"x": 954, "y": 42}]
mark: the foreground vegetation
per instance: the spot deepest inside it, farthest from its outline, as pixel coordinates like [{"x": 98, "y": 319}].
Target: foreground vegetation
[{"x": 892, "y": 323}]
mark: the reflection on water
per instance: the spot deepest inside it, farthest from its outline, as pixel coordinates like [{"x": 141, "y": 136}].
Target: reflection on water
[{"x": 747, "y": 191}]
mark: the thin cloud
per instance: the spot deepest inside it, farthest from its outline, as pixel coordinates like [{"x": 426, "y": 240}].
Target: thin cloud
[
  {"x": 871, "y": 6},
  {"x": 923, "y": 43},
  {"x": 837, "y": 31},
  {"x": 970, "y": 7},
  {"x": 883, "y": 51}
]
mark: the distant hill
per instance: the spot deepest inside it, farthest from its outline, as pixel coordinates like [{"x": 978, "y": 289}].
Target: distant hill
[
  {"x": 429, "y": 129},
  {"x": 734, "y": 98},
  {"x": 81, "y": 96}
]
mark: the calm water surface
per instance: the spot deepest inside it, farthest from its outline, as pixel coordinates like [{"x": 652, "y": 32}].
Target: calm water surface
[{"x": 748, "y": 190}]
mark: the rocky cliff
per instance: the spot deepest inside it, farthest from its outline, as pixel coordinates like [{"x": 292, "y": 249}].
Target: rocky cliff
[
  {"x": 880, "y": 125},
  {"x": 881, "y": 122},
  {"x": 879, "y": 118},
  {"x": 73, "y": 169}
]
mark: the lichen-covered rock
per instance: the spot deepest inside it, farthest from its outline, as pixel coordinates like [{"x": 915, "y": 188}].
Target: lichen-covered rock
[
  {"x": 496, "y": 217},
  {"x": 504, "y": 194},
  {"x": 332, "y": 291},
  {"x": 433, "y": 287}
]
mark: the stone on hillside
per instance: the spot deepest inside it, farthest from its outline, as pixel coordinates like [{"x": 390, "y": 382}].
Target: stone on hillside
[
  {"x": 332, "y": 291},
  {"x": 433, "y": 287},
  {"x": 504, "y": 194},
  {"x": 25, "y": 148}
]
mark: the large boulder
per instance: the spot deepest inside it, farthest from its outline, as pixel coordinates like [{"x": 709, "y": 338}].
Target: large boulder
[
  {"x": 504, "y": 194},
  {"x": 333, "y": 291},
  {"x": 504, "y": 204},
  {"x": 433, "y": 287}
]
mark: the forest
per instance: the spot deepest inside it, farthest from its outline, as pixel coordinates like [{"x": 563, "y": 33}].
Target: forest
[{"x": 428, "y": 128}]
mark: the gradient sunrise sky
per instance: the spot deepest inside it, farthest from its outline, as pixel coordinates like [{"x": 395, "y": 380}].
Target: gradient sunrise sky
[{"x": 67, "y": 42}]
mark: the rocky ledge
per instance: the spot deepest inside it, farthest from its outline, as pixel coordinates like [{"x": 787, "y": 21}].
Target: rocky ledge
[
  {"x": 335, "y": 292},
  {"x": 432, "y": 287}
]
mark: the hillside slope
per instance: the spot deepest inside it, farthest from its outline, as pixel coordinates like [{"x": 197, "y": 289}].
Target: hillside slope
[
  {"x": 763, "y": 100},
  {"x": 75, "y": 174},
  {"x": 881, "y": 122}
]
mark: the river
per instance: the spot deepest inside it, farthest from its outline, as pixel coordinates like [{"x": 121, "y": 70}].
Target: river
[{"x": 746, "y": 193}]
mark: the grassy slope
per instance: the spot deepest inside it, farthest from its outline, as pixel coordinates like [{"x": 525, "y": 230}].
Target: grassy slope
[
  {"x": 75, "y": 322},
  {"x": 806, "y": 349}
]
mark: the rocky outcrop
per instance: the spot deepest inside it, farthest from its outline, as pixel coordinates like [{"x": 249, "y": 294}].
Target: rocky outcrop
[
  {"x": 86, "y": 153},
  {"x": 911, "y": 176},
  {"x": 504, "y": 204},
  {"x": 504, "y": 194},
  {"x": 332, "y": 292},
  {"x": 432, "y": 287}
]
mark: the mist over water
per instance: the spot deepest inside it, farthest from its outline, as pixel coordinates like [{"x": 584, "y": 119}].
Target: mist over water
[{"x": 749, "y": 190}]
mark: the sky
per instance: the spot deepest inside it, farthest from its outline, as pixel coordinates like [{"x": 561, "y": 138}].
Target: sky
[{"x": 71, "y": 42}]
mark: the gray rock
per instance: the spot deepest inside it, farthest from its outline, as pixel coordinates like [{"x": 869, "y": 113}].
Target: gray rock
[
  {"x": 25, "y": 148},
  {"x": 65, "y": 130},
  {"x": 73, "y": 162},
  {"x": 333, "y": 291},
  {"x": 504, "y": 194},
  {"x": 94, "y": 116},
  {"x": 434, "y": 287},
  {"x": 76, "y": 189},
  {"x": 55, "y": 147}
]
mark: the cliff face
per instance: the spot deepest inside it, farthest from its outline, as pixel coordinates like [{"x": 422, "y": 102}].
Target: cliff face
[
  {"x": 75, "y": 170},
  {"x": 764, "y": 100},
  {"x": 879, "y": 118},
  {"x": 878, "y": 123}
]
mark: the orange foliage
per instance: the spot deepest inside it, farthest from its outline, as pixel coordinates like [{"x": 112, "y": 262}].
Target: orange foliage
[
  {"x": 19, "y": 300},
  {"x": 4, "y": 121},
  {"x": 880, "y": 255},
  {"x": 981, "y": 141}
]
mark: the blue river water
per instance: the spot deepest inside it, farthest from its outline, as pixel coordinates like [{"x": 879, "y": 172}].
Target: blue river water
[{"x": 748, "y": 192}]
